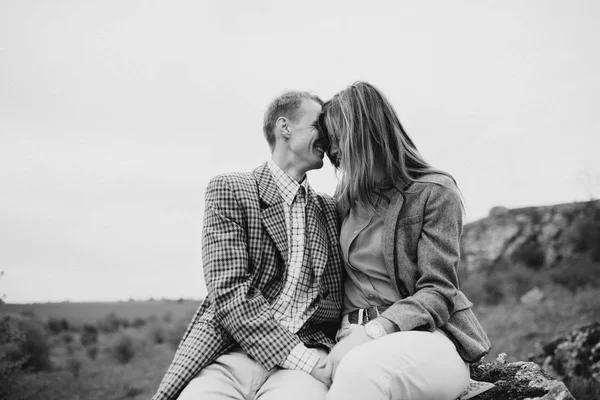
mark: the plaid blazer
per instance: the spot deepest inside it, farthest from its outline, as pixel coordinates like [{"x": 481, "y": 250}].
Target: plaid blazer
[{"x": 244, "y": 253}]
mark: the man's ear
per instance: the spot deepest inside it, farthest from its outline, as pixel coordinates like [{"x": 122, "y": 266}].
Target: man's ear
[{"x": 282, "y": 125}]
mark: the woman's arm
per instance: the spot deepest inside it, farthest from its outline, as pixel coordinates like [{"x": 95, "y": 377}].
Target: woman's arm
[{"x": 438, "y": 255}]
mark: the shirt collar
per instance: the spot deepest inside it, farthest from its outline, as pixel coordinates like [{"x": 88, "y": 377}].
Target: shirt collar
[{"x": 288, "y": 186}]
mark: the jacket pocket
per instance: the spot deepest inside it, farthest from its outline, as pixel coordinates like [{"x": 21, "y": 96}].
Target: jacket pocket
[{"x": 413, "y": 219}]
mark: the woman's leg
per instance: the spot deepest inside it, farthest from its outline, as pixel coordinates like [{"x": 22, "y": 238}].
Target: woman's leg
[{"x": 412, "y": 365}]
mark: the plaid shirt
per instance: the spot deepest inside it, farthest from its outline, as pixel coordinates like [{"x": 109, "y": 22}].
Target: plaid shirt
[{"x": 292, "y": 308}]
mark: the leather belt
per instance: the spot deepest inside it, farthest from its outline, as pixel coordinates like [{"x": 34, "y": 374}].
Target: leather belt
[{"x": 364, "y": 315}]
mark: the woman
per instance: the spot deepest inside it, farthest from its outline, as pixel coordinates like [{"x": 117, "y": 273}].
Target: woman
[{"x": 407, "y": 332}]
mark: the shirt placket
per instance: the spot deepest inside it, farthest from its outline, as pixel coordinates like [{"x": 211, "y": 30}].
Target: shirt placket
[{"x": 297, "y": 239}]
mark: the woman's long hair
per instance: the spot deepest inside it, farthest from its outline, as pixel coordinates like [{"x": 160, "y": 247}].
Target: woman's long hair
[{"x": 375, "y": 150}]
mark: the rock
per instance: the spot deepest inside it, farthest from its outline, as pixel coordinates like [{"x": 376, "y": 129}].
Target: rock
[
  {"x": 484, "y": 242},
  {"x": 498, "y": 210},
  {"x": 573, "y": 355},
  {"x": 532, "y": 297},
  {"x": 538, "y": 237},
  {"x": 518, "y": 381}
]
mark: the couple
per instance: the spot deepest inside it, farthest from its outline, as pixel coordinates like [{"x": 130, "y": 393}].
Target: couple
[{"x": 301, "y": 308}]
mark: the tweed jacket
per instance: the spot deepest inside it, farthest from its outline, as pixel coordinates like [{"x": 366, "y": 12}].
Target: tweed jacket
[
  {"x": 244, "y": 254},
  {"x": 421, "y": 250}
]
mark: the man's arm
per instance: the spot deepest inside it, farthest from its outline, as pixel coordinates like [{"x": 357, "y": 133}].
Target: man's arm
[{"x": 239, "y": 308}]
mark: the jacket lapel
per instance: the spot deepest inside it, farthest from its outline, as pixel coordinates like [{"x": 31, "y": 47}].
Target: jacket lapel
[
  {"x": 272, "y": 214},
  {"x": 316, "y": 236},
  {"x": 389, "y": 236}
]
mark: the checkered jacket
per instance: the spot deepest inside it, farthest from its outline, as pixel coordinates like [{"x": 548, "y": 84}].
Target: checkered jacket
[{"x": 244, "y": 252}]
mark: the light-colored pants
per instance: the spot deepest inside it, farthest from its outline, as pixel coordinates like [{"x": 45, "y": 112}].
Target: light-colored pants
[
  {"x": 413, "y": 365},
  {"x": 236, "y": 376}
]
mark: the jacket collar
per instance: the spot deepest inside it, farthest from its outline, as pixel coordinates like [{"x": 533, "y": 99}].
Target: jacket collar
[
  {"x": 267, "y": 188},
  {"x": 273, "y": 217},
  {"x": 268, "y": 191}
]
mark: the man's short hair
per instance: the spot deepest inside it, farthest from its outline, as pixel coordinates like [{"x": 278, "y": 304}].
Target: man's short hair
[{"x": 285, "y": 105}]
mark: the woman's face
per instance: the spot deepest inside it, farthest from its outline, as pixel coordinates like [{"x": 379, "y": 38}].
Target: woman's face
[
  {"x": 333, "y": 153},
  {"x": 333, "y": 150}
]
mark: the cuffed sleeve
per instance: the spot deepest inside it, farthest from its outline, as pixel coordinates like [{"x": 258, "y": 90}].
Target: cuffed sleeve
[{"x": 301, "y": 358}]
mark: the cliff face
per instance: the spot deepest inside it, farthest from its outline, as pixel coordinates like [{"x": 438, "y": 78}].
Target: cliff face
[
  {"x": 520, "y": 254},
  {"x": 536, "y": 236}
]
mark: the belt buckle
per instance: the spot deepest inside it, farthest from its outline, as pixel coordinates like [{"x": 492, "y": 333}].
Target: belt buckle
[
  {"x": 364, "y": 316},
  {"x": 369, "y": 314}
]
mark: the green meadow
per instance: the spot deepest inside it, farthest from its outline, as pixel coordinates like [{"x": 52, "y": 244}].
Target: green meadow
[{"x": 121, "y": 350}]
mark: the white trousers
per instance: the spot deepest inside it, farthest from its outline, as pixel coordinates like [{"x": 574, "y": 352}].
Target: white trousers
[
  {"x": 236, "y": 376},
  {"x": 413, "y": 365}
]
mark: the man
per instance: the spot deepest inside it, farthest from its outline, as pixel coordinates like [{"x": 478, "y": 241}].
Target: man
[{"x": 273, "y": 272}]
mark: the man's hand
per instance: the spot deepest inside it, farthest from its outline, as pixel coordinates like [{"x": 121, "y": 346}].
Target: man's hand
[
  {"x": 356, "y": 338},
  {"x": 322, "y": 372}
]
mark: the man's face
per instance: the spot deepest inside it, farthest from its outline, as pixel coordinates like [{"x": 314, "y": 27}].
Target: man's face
[{"x": 304, "y": 143}]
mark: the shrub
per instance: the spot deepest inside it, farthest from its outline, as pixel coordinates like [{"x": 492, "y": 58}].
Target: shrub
[
  {"x": 168, "y": 317},
  {"x": 503, "y": 281},
  {"x": 67, "y": 337},
  {"x": 123, "y": 348},
  {"x": 157, "y": 333},
  {"x": 70, "y": 349},
  {"x": 132, "y": 391},
  {"x": 584, "y": 389},
  {"x": 56, "y": 326},
  {"x": 176, "y": 332},
  {"x": 89, "y": 335},
  {"x": 577, "y": 273},
  {"x": 529, "y": 254},
  {"x": 34, "y": 346},
  {"x": 10, "y": 336},
  {"x": 584, "y": 233},
  {"x": 28, "y": 313},
  {"x": 482, "y": 289},
  {"x": 138, "y": 322},
  {"x": 109, "y": 324},
  {"x": 92, "y": 352},
  {"x": 74, "y": 366},
  {"x": 590, "y": 232}
]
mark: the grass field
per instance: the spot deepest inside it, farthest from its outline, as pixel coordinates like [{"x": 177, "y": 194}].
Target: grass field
[
  {"x": 81, "y": 370},
  {"x": 515, "y": 329},
  {"x": 102, "y": 378},
  {"x": 80, "y": 313},
  {"x": 519, "y": 330}
]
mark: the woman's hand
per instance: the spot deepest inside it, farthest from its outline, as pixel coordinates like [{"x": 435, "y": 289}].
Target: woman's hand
[
  {"x": 322, "y": 371},
  {"x": 354, "y": 339}
]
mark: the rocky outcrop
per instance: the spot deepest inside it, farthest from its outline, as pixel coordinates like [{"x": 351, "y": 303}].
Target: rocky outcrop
[
  {"x": 517, "y": 381},
  {"x": 574, "y": 355},
  {"x": 535, "y": 236}
]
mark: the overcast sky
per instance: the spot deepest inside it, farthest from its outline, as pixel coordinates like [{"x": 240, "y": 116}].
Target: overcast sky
[{"x": 115, "y": 114}]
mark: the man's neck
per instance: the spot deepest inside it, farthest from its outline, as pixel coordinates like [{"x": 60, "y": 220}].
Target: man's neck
[{"x": 298, "y": 174}]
